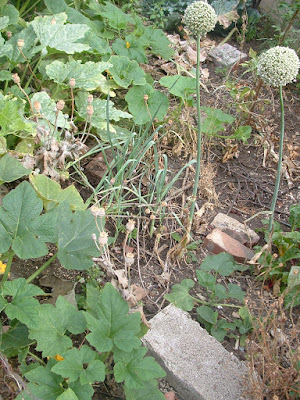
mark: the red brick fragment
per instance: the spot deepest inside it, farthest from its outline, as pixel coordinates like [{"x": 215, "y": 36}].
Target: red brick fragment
[{"x": 217, "y": 242}]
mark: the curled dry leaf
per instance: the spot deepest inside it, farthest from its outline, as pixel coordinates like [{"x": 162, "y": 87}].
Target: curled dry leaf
[
  {"x": 122, "y": 279},
  {"x": 170, "y": 395},
  {"x": 138, "y": 292}
]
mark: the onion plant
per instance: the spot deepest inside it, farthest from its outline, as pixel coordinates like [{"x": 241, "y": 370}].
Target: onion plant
[
  {"x": 200, "y": 18},
  {"x": 278, "y": 66}
]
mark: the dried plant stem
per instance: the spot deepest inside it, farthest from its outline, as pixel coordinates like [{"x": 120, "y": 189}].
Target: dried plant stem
[{"x": 279, "y": 165}]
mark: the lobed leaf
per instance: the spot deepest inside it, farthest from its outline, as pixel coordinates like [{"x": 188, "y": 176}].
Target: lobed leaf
[
  {"x": 11, "y": 169},
  {"x": 223, "y": 263},
  {"x": 87, "y": 76},
  {"x": 21, "y": 226},
  {"x": 22, "y": 305},
  {"x": 81, "y": 364},
  {"x": 112, "y": 327},
  {"x": 134, "y": 369},
  {"x": 53, "y": 323},
  {"x": 76, "y": 246},
  {"x": 179, "y": 85},
  {"x": 126, "y": 72},
  {"x": 155, "y": 106},
  {"x": 180, "y": 296},
  {"x": 58, "y": 36},
  {"x": 52, "y": 194}
]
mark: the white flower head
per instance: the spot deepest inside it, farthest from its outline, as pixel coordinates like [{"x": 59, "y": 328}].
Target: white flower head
[
  {"x": 278, "y": 66},
  {"x": 200, "y": 18}
]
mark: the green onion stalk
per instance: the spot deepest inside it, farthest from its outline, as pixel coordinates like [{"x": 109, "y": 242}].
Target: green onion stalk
[{"x": 278, "y": 66}]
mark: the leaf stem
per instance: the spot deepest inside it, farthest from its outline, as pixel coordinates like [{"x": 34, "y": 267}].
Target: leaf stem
[
  {"x": 41, "y": 269},
  {"x": 207, "y": 303},
  {"x": 277, "y": 183},
  {"x": 37, "y": 358},
  {"x": 8, "y": 265}
]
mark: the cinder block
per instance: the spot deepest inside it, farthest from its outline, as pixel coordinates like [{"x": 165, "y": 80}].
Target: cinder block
[
  {"x": 197, "y": 365},
  {"x": 226, "y": 55},
  {"x": 217, "y": 242},
  {"x": 235, "y": 229}
]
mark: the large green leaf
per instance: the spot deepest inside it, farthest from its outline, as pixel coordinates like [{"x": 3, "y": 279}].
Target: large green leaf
[
  {"x": 48, "y": 108},
  {"x": 208, "y": 314},
  {"x": 112, "y": 326},
  {"x": 205, "y": 279},
  {"x": 178, "y": 85},
  {"x": 21, "y": 226},
  {"x": 149, "y": 391},
  {"x": 126, "y": 72},
  {"x": 235, "y": 292},
  {"x": 180, "y": 296},
  {"x": 53, "y": 323},
  {"x": 12, "y": 13},
  {"x": 58, "y": 36},
  {"x": 132, "y": 47},
  {"x": 156, "y": 105},
  {"x": 11, "y": 169},
  {"x": 4, "y": 22},
  {"x": 21, "y": 304},
  {"x": 56, "y": 6},
  {"x": 116, "y": 18},
  {"x": 76, "y": 246},
  {"x": 81, "y": 364},
  {"x": 134, "y": 369},
  {"x": 68, "y": 395},
  {"x": 98, "y": 119},
  {"x": 294, "y": 277},
  {"x": 11, "y": 120},
  {"x": 10, "y": 48},
  {"x": 159, "y": 43},
  {"x": 87, "y": 76},
  {"x": 222, "y": 263},
  {"x": 14, "y": 340},
  {"x": 44, "y": 384},
  {"x": 52, "y": 194}
]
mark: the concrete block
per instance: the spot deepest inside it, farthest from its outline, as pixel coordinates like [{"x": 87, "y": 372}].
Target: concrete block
[
  {"x": 226, "y": 55},
  {"x": 217, "y": 242},
  {"x": 197, "y": 365},
  {"x": 235, "y": 229}
]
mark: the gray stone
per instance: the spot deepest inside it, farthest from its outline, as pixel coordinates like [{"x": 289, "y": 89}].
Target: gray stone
[
  {"x": 235, "y": 229},
  {"x": 197, "y": 365},
  {"x": 226, "y": 55}
]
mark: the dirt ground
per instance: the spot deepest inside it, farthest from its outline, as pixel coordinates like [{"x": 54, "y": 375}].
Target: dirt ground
[{"x": 236, "y": 179}]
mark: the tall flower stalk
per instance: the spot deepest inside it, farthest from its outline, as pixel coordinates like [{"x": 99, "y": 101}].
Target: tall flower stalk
[
  {"x": 200, "y": 18},
  {"x": 278, "y": 67}
]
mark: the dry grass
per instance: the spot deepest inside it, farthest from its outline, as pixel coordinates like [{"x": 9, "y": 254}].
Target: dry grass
[{"x": 274, "y": 355}]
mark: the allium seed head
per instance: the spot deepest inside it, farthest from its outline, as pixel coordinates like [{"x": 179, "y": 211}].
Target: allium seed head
[
  {"x": 97, "y": 211},
  {"x": 60, "y": 105},
  {"x": 200, "y": 18},
  {"x": 130, "y": 225},
  {"x": 90, "y": 110},
  {"x": 37, "y": 106},
  {"x": 72, "y": 82},
  {"x": 20, "y": 43},
  {"x": 103, "y": 238},
  {"x": 278, "y": 66},
  {"x": 129, "y": 259},
  {"x": 16, "y": 78}
]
